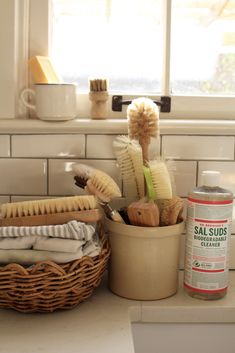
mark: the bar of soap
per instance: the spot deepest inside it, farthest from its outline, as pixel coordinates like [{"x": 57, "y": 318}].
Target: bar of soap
[{"x": 42, "y": 70}]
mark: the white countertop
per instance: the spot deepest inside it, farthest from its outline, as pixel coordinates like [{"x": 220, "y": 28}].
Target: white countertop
[{"x": 103, "y": 322}]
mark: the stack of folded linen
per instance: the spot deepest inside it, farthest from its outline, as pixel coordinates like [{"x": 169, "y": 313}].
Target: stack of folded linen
[{"x": 59, "y": 243}]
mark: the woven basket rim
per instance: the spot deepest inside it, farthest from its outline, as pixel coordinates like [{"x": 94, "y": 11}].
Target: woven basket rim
[{"x": 47, "y": 286}]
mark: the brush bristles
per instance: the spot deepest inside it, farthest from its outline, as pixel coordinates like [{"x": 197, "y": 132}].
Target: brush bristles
[
  {"x": 143, "y": 116},
  {"x": 127, "y": 174},
  {"x": 104, "y": 184},
  {"x": 48, "y": 206},
  {"x": 161, "y": 179},
  {"x": 136, "y": 155},
  {"x": 130, "y": 162},
  {"x": 100, "y": 181},
  {"x": 98, "y": 85}
]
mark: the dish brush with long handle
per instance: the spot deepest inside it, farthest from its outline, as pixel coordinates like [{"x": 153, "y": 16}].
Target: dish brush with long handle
[
  {"x": 143, "y": 124},
  {"x": 145, "y": 212},
  {"x": 143, "y": 116}
]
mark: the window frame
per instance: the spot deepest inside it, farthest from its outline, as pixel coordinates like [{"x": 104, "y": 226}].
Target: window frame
[
  {"x": 14, "y": 42},
  {"x": 32, "y": 36}
]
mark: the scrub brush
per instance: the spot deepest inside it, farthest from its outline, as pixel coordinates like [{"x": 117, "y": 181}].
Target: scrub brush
[
  {"x": 88, "y": 178},
  {"x": 130, "y": 161},
  {"x": 97, "y": 182},
  {"x": 98, "y": 96},
  {"x": 161, "y": 179},
  {"x": 50, "y": 211},
  {"x": 145, "y": 212},
  {"x": 170, "y": 211},
  {"x": 143, "y": 117}
]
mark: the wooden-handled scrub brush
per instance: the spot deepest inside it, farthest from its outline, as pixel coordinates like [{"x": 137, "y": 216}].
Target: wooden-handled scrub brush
[
  {"x": 143, "y": 117},
  {"x": 50, "y": 211},
  {"x": 98, "y": 183}
]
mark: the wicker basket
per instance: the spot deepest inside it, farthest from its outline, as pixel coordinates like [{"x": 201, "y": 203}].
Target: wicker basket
[{"x": 47, "y": 286}]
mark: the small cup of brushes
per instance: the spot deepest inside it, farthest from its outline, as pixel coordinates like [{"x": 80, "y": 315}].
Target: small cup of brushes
[{"x": 98, "y": 96}]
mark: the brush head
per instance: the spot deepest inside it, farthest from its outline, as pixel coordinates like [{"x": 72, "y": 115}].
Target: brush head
[
  {"x": 170, "y": 211},
  {"x": 130, "y": 161},
  {"x": 98, "y": 84},
  {"x": 161, "y": 179},
  {"x": 149, "y": 183},
  {"x": 96, "y": 182},
  {"x": 48, "y": 206},
  {"x": 105, "y": 188},
  {"x": 143, "y": 116}
]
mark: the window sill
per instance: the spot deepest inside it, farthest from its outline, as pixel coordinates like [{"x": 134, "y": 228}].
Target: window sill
[{"x": 115, "y": 126}]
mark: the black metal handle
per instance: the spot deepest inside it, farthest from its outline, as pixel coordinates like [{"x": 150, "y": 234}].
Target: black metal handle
[{"x": 164, "y": 103}]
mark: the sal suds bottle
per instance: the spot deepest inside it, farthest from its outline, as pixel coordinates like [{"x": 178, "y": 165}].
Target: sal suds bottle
[{"x": 208, "y": 230}]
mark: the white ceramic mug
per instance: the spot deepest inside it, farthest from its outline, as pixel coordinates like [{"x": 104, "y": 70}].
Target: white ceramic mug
[{"x": 52, "y": 101}]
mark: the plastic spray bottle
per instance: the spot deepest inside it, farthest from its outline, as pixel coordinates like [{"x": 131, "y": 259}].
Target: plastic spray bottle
[{"x": 208, "y": 230}]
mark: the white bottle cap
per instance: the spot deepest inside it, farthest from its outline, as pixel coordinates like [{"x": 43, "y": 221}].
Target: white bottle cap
[{"x": 211, "y": 178}]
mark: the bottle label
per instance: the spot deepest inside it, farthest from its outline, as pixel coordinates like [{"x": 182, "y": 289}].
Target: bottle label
[{"x": 207, "y": 245}]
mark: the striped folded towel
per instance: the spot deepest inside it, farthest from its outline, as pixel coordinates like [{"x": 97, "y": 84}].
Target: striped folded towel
[{"x": 71, "y": 230}]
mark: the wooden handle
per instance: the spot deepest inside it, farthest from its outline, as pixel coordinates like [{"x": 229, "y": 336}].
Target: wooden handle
[
  {"x": 85, "y": 216},
  {"x": 143, "y": 214}
]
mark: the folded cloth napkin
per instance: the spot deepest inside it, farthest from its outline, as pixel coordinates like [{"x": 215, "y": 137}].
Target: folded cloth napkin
[
  {"x": 28, "y": 257},
  {"x": 71, "y": 230},
  {"x": 42, "y": 243},
  {"x": 64, "y": 245},
  {"x": 18, "y": 243},
  {"x": 59, "y": 243}
]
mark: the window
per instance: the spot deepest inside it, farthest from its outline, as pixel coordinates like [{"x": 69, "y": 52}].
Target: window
[
  {"x": 118, "y": 39},
  {"x": 181, "y": 48},
  {"x": 14, "y": 46}
]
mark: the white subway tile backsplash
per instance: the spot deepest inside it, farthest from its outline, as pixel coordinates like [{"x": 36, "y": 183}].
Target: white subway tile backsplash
[
  {"x": 23, "y": 176},
  {"x": 185, "y": 176},
  {"x": 4, "y": 146},
  {"x": 100, "y": 146},
  {"x": 227, "y": 170},
  {"x": 61, "y": 180},
  {"x": 198, "y": 147},
  {"x": 63, "y": 146}
]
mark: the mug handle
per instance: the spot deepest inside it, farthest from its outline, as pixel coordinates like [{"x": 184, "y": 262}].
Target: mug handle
[{"x": 24, "y": 100}]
